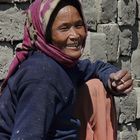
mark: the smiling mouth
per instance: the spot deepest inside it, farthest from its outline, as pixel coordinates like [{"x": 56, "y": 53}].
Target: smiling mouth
[{"x": 74, "y": 45}]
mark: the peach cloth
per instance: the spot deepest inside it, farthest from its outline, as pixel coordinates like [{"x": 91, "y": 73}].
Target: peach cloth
[{"x": 95, "y": 108}]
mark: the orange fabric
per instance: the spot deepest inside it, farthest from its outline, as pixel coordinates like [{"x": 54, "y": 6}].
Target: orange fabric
[{"x": 95, "y": 108}]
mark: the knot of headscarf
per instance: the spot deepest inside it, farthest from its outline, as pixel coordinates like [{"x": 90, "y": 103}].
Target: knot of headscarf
[{"x": 34, "y": 36}]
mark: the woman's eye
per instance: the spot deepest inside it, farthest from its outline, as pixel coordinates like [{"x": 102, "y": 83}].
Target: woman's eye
[
  {"x": 64, "y": 28},
  {"x": 79, "y": 25}
]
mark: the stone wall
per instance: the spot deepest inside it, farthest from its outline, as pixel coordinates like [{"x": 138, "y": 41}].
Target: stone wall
[{"x": 113, "y": 37}]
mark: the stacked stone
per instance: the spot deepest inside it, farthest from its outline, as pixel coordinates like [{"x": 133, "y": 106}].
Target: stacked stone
[
  {"x": 114, "y": 37},
  {"x": 12, "y": 19}
]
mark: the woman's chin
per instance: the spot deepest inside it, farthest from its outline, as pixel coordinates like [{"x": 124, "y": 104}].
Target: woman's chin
[{"x": 74, "y": 53}]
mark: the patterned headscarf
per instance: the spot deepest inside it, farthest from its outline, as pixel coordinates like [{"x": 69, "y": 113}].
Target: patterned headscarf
[{"x": 38, "y": 16}]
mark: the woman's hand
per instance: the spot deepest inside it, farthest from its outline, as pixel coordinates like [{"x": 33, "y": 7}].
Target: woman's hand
[{"x": 120, "y": 82}]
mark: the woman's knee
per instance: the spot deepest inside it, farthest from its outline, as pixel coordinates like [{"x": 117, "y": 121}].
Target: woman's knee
[{"x": 95, "y": 85}]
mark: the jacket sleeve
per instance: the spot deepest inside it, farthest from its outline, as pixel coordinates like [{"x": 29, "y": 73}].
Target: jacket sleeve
[
  {"x": 34, "y": 112},
  {"x": 7, "y": 112},
  {"x": 99, "y": 69}
]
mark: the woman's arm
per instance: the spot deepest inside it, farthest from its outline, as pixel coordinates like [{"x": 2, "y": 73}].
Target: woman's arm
[
  {"x": 116, "y": 80},
  {"x": 99, "y": 69},
  {"x": 33, "y": 114}
]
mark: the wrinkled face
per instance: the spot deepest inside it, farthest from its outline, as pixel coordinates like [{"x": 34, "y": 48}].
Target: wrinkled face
[{"x": 68, "y": 32}]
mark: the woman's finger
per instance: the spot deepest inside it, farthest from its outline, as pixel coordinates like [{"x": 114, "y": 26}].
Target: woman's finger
[
  {"x": 124, "y": 86},
  {"x": 118, "y": 75}
]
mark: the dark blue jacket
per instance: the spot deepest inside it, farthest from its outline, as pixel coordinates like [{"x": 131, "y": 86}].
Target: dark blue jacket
[{"x": 37, "y": 103}]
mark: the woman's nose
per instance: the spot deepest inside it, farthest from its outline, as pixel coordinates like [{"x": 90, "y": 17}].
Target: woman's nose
[{"x": 73, "y": 34}]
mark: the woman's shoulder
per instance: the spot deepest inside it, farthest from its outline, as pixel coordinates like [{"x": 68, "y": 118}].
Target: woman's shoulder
[
  {"x": 38, "y": 59},
  {"x": 37, "y": 66}
]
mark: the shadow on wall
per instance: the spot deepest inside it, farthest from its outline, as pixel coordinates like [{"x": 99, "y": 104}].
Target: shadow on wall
[
  {"x": 138, "y": 124},
  {"x": 126, "y": 2},
  {"x": 1, "y": 82},
  {"x": 135, "y": 31}
]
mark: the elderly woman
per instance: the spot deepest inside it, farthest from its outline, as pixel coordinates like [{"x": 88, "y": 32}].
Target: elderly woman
[{"x": 49, "y": 94}]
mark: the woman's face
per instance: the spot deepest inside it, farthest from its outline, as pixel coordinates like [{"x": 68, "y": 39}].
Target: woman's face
[{"x": 68, "y": 32}]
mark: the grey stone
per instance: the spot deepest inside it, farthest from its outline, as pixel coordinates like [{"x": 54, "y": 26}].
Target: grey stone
[
  {"x": 138, "y": 135},
  {"x": 125, "y": 41},
  {"x": 112, "y": 40},
  {"x": 106, "y": 11},
  {"x": 138, "y": 39},
  {"x": 128, "y": 132},
  {"x": 126, "y": 12},
  {"x": 138, "y": 9},
  {"x": 11, "y": 24},
  {"x": 135, "y": 63},
  {"x": 136, "y": 83},
  {"x": 137, "y": 89},
  {"x": 128, "y": 108},
  {"x": 90, "y": 12},
  {"x": 95, "y": 47},
  {"x": 6, "y": 55},
  {"x": 138, "y": 25},
  {"x": 124, "y": 62}
]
